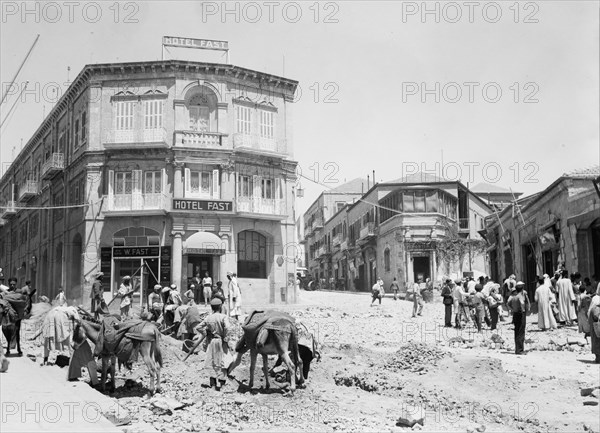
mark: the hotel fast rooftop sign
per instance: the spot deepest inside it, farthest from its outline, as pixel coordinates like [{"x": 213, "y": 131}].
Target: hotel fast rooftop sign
[{"x": 202, "y": 44}]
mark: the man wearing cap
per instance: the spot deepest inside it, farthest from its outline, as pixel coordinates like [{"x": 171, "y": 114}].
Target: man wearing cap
[
  {"x": 518, "y": 302},
  {"x": 448, "y": 301},
  {"x": 215, "y": 330},
  {"x": 97, "y": 294},
  {"x": 126, "y": 293}
]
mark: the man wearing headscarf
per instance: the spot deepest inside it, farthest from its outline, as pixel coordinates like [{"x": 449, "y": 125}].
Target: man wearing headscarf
[
  {"x": 566, "y": 309},
  {"x": 215, "y": 330},
  {"x": 155, "y": 304},
  {"x": 518, "y": 302},
  {"x": 544, "y": 298},
  {"x": 594, "y": 318}
]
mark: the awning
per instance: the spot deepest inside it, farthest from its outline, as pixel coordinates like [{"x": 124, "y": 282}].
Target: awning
[{"x": 205, "y": 243}]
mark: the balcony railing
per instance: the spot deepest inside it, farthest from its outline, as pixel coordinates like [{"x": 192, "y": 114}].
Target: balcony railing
[
  {"x": 317, "y": 224},
  {"x": 260, "y": 205},
  {"x": 463, "y": 223},
  {"x": 29, "y": 189},
  {"x": 54, "y": 165},
  {"x": 336, "y": 240},
  {"x": 198, "y": 139},
  {"x": 137, "y": 202},
  {"x": 9, "y": 210},
  {"x": 344, "y": 245},
  {"x": 156, "y": 136},
  {"x": 256, "y": 142},
  {"x": 367, "y": 231}
]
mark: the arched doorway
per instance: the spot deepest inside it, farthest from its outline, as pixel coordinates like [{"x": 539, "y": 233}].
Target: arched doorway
[
  {"x": 201, "y": 104},
  {"x": 73, "y": 290}
]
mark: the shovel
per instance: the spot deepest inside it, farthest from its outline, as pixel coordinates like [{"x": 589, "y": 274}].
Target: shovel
[{"x": 193, "y": 348}]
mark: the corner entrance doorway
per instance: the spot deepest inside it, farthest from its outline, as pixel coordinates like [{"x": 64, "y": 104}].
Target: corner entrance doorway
[{"x": 421, "y": 268}]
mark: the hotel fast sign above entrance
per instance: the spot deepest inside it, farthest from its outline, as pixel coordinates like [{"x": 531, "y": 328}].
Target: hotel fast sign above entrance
[{"x": 202, "y": 205}]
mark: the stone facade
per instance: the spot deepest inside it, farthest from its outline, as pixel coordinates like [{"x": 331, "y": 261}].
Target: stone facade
[
  {"x": 557, "y": 226},
  {"x": 169, "y": 169}
]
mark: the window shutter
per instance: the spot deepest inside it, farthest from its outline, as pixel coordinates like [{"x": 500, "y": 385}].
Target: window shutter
[
  {"x": 216, "y": 193},
  {"x": 163, "y": 185},
  {"x": 188, "y": 182},
  {"x": 256, "y": 187},
  {"x": 111, "y": 188},
  {"x": 137, "y": 181}
]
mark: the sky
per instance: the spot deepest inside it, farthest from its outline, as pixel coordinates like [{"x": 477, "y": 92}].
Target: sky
[{"x": 500, "y": 92}]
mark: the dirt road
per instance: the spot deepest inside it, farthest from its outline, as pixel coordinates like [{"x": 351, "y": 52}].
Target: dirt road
[{"x": 379, "y": 364}]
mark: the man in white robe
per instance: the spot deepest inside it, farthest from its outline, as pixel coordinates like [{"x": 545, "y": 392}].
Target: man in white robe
[
  {"x": 544, "y": 298},
  {"x": 566, "y": 309}
]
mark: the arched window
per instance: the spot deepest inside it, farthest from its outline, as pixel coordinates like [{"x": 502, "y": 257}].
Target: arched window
[
  {"x": 252, "y": 255},
  {"x": 386, "y": 259}
]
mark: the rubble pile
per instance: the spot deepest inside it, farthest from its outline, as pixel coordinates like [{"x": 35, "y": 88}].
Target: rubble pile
[{"x": 415, "y": 357}]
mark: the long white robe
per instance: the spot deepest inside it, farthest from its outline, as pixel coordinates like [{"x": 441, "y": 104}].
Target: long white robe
[
  {"x": 566, "y": 309},
  {"x": 543, "y": 297}
]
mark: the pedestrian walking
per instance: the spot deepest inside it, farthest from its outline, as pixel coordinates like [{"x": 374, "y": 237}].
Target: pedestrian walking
[
  {"x": 518, "y": 303},
  {"x": 155, "y": 304},
  {"x": 235, "y": 296},
  {"x": 494, "y": 301},
  {"x": 217, "y": 292},
  {"x": 377, "y": 291},
  {"x": 594, "y": 322},
  {"x": 418, "y": 297},
  {"x": 566, "y": 297},
  {"x": 477, "y": 301},
  {"x": 215, "y": 331},
  {"x": 545, "y": 298},
  {"x": 97, "y": 295},
  {"x": 448, "y": 302},
  {"x": 206, "y": 288},
  {"x": 395, "y": 288},
  {"x": 126, "y": 293},
  {"x": 189, "y": 295}
]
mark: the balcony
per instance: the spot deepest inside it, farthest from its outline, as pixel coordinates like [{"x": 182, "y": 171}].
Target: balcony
[
  {"x": 54, "y": 165},
  {"x": 258, "y": 143},
  {"x": 463, "y": 224},
  {"x": 29, "y": 190},
  {"x": 317, "y": 224},
  {"x": 127, "y": 203},
  {"x": 344, "y": 246},
  {"x": 198, "y": 140},
  {"x": 8, "y": 211},
  {"x": 336, "y": 241},
  {"x": 257, "y": 205},
  {"x": 367, "y": 231},
  {"x": 124, "y": 138}
]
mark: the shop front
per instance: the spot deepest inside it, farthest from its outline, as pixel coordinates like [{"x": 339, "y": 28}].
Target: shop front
[{"x": 202, "y": 253}]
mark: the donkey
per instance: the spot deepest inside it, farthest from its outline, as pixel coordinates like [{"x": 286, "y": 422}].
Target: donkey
[
  {"x": 271, "y": 341},
  {"x": 148, "y": 345},
  {"x": 11, "y": 328}
]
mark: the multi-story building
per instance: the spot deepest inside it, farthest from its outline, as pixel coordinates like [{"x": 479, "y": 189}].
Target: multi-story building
[
  {"x": 321, "y": 210},
  {"x": 557, "y": 226},
  {"x": 495, "y": 195},
  {"x": 392, "y": 230},
  {"x": 161, "y": 170}
]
